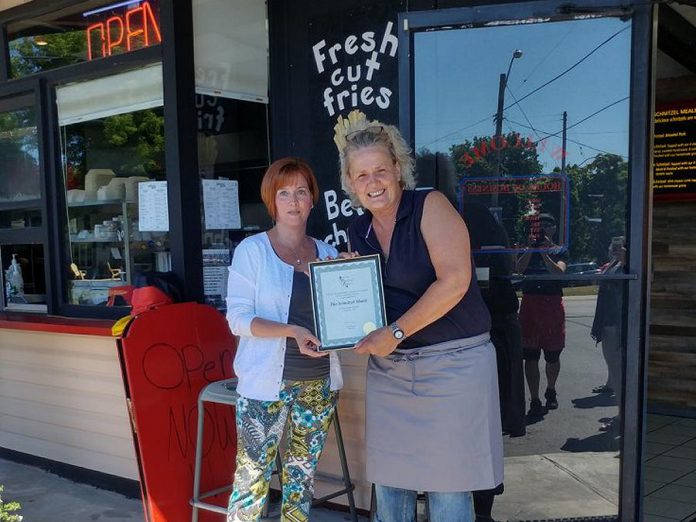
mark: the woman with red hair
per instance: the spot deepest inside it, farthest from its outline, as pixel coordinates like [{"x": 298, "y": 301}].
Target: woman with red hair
[{"x": 284, "y": 382}]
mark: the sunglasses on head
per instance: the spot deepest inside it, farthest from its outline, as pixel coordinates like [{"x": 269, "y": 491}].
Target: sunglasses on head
[{"x": 374, "y": 130}]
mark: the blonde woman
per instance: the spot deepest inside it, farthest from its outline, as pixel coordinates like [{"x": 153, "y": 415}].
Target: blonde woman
[{"x": 432, "y": 412}]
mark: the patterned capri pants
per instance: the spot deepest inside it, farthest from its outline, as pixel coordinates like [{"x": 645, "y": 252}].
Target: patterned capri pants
[{"x": 260, "y": 425}]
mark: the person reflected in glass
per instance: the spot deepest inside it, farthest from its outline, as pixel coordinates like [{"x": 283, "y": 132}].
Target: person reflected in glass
[
  {"x": 432, "y": 409},
  {"x": 487, "y": 235},
  {"x": 606, "y": 326},
  {"x": 284, "y": 383},
  {"x": 542, "y": 316}
]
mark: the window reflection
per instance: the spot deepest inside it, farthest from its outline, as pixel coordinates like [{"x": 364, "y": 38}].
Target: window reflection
[
  {"x": 105, "y": 162},
  {"x": 19, "y": 156},
  {"x": 90, "y": 30},
  {"x": 232, "y": 156},
  {"x": 525, "y": 128},
  {"x": 23, "y": 277}
]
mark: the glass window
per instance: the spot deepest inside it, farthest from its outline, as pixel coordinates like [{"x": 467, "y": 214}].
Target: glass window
[
  {"x": 84, "y": 32},
  {"x": 19, "y": 156},
  {"x": 232, "y": 158},
  {"x": 24, "y": 277},
  {"x": 21, "y": 219},
  {"x": 115, "y": 190},
  {"x": 231, "y": 48},
  {"x": 231, "y": 58},
  {"x": 525, "y": 127}
]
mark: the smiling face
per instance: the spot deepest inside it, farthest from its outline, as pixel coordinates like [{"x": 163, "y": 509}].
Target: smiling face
[
  {"x": 375, "y": 178},
  {"x": 293, "y": 201}
]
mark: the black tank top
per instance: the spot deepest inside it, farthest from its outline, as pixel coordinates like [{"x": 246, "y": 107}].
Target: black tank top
[{"x": 409, "y": 272}]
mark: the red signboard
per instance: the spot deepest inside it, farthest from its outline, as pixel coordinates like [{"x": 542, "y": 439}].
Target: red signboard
[
  {"x": 517, "y": 202},
  {"x": 168, "y": 355},
  {"x": 135, "y": 28}
]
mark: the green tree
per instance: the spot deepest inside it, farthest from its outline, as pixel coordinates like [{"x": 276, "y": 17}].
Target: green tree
[
  {"x": 7, "y": 510},
  {"x": 598, "y": 205},
  {"x": 478, "y": 157},
  {"x": 61, "y": 49},
  {"x": 129, "y": 144}
]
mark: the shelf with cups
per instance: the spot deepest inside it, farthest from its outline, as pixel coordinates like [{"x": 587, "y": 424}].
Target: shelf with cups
[{"x": 100, "y": 248}]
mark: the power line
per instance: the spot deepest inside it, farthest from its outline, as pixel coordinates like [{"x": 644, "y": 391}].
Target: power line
[
  {"x": 548, "y": 135},
  {"x": 522, "y": 110},
  {"x": 569, "y": 68},
  {"x": 597, "y": 112},
  {"x": 563, "y": 39},
  {"x": 457, "y": 131}
]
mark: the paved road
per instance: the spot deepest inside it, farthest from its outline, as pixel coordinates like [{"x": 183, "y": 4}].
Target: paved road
[{"x": 573, "y": 427}]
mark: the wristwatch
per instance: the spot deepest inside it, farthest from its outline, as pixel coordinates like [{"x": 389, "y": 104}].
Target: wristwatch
[{"x": 397, "y": 332}]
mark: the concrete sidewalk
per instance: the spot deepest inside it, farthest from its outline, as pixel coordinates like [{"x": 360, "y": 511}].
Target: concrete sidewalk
[{"x": 560, "y": 485}]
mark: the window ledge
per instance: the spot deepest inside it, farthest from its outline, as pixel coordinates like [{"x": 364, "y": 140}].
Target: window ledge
[{"x": 55, "y": 324}]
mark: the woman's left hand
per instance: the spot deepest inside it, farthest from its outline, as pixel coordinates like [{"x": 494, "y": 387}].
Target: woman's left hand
[{"x": 379, "y": 342}]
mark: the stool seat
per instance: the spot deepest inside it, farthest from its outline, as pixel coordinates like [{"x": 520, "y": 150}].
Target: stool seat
[{"x": 225, "y": 392}]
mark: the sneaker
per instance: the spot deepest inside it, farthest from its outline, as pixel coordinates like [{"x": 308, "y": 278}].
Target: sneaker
[
  {"x": 551, "y": 401},
  {"x": 535, "y": 409}
]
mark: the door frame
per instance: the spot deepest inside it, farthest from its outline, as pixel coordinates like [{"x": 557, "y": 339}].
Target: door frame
[{"x": 639, "y": 216}]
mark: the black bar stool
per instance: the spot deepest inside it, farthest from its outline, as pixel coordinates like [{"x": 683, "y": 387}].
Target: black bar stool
[{"x": 225, "y": 392}]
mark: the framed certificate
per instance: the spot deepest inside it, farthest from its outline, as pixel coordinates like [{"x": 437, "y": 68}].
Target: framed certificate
[{"x": 348, "y": 300}]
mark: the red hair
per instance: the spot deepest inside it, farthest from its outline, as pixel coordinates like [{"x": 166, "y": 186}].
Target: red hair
[{"x": 279, "y": 174}]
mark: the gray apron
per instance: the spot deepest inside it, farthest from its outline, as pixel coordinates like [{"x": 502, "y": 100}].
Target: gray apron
[{"x": 433, "y": 418}]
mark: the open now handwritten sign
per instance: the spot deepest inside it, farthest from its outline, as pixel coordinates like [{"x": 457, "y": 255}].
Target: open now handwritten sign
[{"x": 168, "y": 355}]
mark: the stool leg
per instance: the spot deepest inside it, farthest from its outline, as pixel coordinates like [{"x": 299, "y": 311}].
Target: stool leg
[
  {"x": 199, "y": 457},
  {"x": 344, "y": 467},
  {"x": 373, "y": 503}
]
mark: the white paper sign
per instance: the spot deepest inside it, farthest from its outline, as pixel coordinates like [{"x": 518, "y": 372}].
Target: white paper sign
[
  {"x": 215, "y": 271},
  {"x": 221, "y": 204},
  {"x": 153, "y": 212}
]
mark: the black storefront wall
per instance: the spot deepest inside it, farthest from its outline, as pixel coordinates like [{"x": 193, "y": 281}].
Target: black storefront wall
[
  {"x": 306, "y": 81},
  {"x": 325, "y": 61}
]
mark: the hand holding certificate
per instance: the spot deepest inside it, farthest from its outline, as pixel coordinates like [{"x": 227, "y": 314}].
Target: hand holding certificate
[{"x": 348, "y": 300}]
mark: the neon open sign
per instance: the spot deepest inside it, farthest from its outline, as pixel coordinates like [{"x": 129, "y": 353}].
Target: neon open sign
[{"x": 135, "y": 28}]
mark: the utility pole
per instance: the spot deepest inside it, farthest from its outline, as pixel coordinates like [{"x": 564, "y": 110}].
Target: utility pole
[
  {"x": 563, "y": 146},
  {"x": 561, "y": 217},
  {"x": 499, "y": 121}
]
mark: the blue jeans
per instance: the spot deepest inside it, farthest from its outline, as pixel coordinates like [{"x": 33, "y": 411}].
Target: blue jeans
[{"x": 399, "y": 505}]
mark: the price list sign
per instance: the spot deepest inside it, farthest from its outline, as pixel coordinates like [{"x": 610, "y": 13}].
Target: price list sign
[{"x": 674, "y": 155}]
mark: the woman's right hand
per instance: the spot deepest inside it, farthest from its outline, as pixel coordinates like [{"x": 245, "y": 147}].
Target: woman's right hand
[{"x": 307, "y": 342}]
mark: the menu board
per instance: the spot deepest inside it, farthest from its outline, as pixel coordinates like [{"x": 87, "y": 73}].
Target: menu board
[
  {"x": 221, "y": 204},
  {"x": 152, "y": 207},
  {"x": 674, "y": 156}
]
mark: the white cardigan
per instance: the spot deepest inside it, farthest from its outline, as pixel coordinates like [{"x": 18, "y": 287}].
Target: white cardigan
[{"x": 260, "y": 285}]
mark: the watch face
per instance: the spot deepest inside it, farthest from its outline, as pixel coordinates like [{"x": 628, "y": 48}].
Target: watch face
[{"x": 397, "y": 332}]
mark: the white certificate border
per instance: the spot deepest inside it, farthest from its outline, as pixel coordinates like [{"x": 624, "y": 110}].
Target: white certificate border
[{"x": 380, "y": 316}]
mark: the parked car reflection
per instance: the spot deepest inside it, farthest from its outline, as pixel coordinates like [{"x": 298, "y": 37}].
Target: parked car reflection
[{"x": 575, "y": 269}]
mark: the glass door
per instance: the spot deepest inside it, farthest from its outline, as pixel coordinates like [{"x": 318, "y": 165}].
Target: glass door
[{"x": 526, "y": 119}]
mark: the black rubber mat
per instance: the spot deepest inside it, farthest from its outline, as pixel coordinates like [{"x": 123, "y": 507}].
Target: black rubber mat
[{"x": 612, "y": 518}]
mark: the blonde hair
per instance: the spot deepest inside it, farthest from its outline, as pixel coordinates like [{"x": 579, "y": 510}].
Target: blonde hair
[{"x": 389, "y": 138}]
